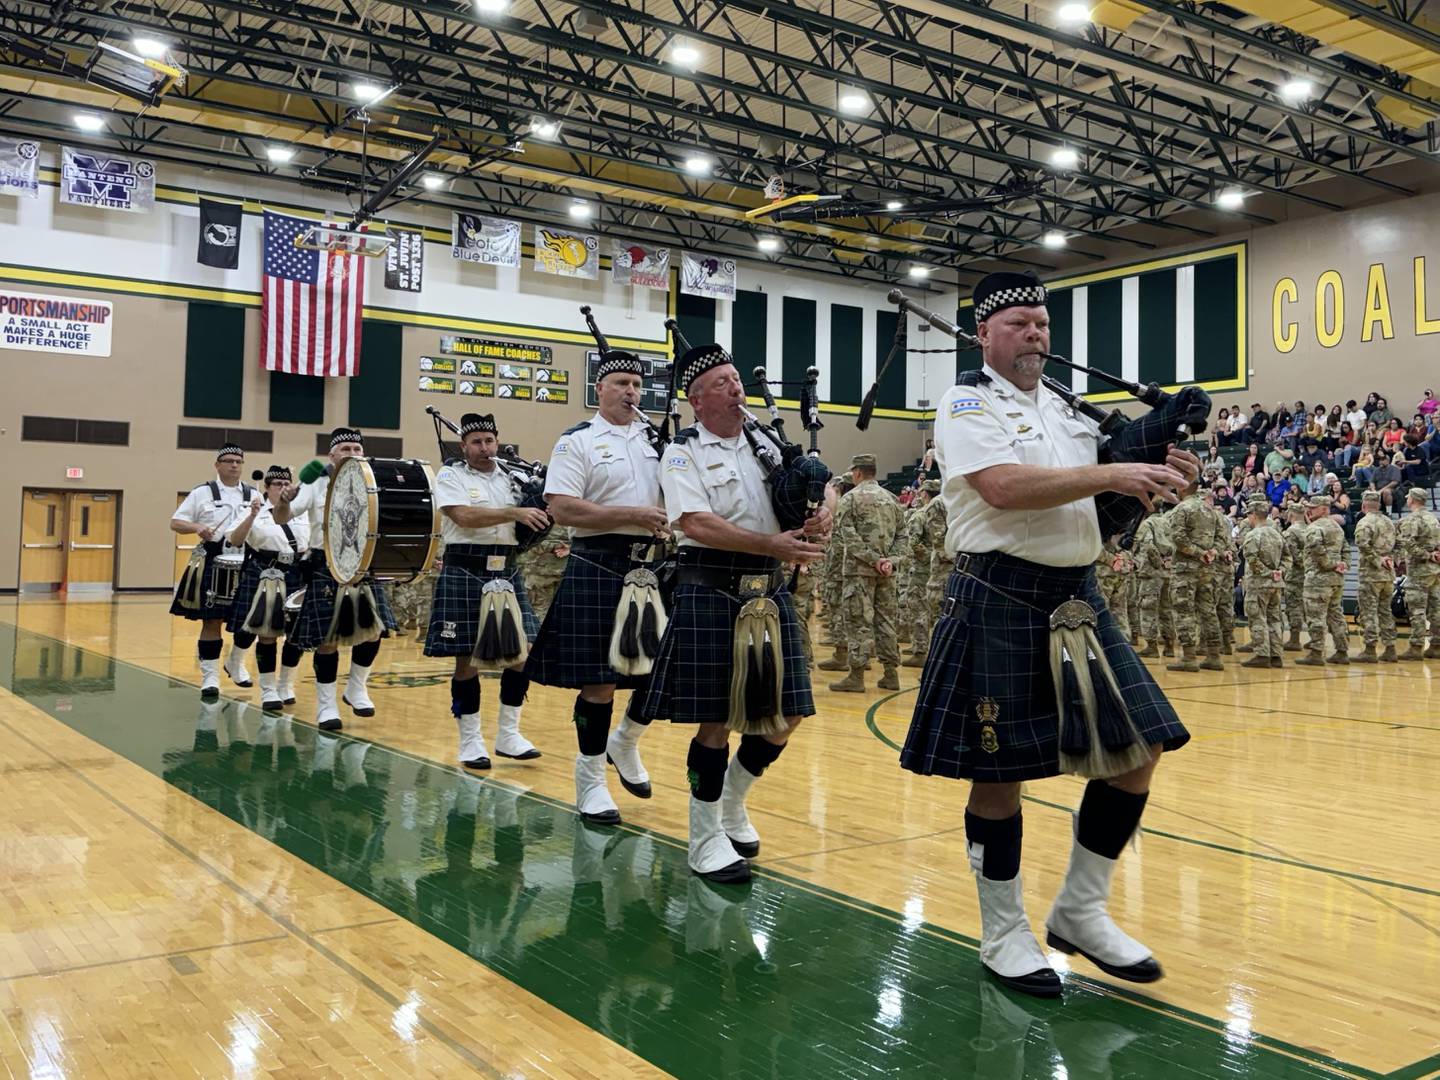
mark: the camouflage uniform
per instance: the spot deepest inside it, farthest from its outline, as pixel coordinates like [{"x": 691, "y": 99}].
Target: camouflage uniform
[
  {"x": 410, "y": 601},
  {"x": 804, "y": 598},
  {"x": 543, "y": 568},
  {"x": 1113, "y": 569},
  {"x": 1325, "y": 548},
  {"x": 832, "y": 588},
  {"x": 1195, "y": 530},
  {"x": 1375, "y": 540},
  {"x": 930, "y": 540},
  {"x": 912, "y": 575},
  {"x": 1295, "y": 583},
  {"x": 1224, "y": 568},
  {"x": 1154, "y": 551},
  {"x": 1265, "y": 554},
  {"x": 1419, "y": 536},
  {"x": 867, "y": 528}
]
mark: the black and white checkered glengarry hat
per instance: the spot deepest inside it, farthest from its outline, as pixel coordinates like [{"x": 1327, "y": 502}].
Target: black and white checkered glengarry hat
[
  {"x": 1003, "y": 290},
  {"x": 699, "y": 360},
  {"x": 482, "y": 422},
  {"x": 344, "y": 435},
  {"x": 619, "y": 362}
]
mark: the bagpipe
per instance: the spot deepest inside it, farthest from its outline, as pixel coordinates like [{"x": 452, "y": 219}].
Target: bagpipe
[
  {"x": 1143, "y": 440},
  {"x": 527, "y": 481},
  {"x": 796, "y": 476},
  {"x": 658, "y": 436}
]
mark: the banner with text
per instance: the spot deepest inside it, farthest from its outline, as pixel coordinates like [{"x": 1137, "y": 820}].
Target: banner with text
[
  {"x": 707, "y": 275},
  {"x": 19, "y": 168},
  {"x": 480, "y": 239},
  {"x": 640, "y": 264},
  {"x": 106, "y": 180},
  {"x": 58, "y": 324},
  {"x": 569, "y": 254}
]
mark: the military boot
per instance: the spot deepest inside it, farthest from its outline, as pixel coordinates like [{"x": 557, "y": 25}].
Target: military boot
[
  {"x": 854, "y": 683},
  {"x": 1149, "y": 651},
  {"x": 1433, "y": 652},
  {"x": 1388, "y": 656},
  {"x": 1275, "y": 661},
  {"x": 1256, "y": 661},
  {"x": 1367, "y": 655},
  {"x": 1247, "y": 647},
  {"x": 1339, "y": 656},
  {"x": 1292, "y": 643},
  {"x": 1211, "y": 663},
  {"x": 1414, "y": 652},
  {"x": 915, "y": 659},
  {"x": 1186, "y": 662},
  {"x": 839, "y": 662},
  {"x": 890, "y": 680},
  {"x": 1312, "y": 658},
  {"x": 1227, "y": 648}
]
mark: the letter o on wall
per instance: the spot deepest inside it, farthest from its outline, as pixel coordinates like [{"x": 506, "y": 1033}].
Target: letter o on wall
[
  {"x": 1329, "y": 332},
  {"x": 1286, "y": 334}
]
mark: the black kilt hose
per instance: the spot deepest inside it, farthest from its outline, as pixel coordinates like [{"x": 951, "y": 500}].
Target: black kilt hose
[
  {"x": 993, "y": 650},
  {"x": 690, "y": 683},
  {"x": 221, "y": 608},
  {"x": 318, "y": 610},
  {"x": 256, "y": 561},
  {"x": 573, "y": 647},
  {"x": 455, "y": 612}
]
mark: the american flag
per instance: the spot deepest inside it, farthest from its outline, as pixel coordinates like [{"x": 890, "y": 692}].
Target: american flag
[{"x": 310, "y": 304}]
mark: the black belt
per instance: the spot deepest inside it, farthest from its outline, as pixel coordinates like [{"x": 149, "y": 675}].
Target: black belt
[
  {"x": 264, "y": 559},
  {"x": 636, "y": 548},
  {"x": 212, "y": 547},
  {"x": 733, "y": 572},
  {"x": 476, "y": 554}
]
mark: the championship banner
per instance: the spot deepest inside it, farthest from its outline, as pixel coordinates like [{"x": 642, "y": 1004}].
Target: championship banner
[
  {"x": 707, "y": 275},
  {"x": 19, "y": 168},
  {"x": 640, "y": 264},
  {"x": 57, "y": 324},
  {"x": 479, "y": 239},
  {"x": 405, "y": 260},
  {"x": 106, "y": 180},
  {"x": 555, "y": 395},
  {"x": 219, "y": 234},
  {"x": 569, "y": 254},
  {"x": 477, "y": 389},
  {"x": 492, "y": 349},
  {"x": 438, "y": 365},
  {"x": 483, "y": 369},
  {"x": 553, "y": 376},
  {"x": 516, "y": 391},
  {"x": 436, "y": 384}
]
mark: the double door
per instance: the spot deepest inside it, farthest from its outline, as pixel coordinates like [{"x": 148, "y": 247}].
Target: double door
[{"x": 68, "y": 541}]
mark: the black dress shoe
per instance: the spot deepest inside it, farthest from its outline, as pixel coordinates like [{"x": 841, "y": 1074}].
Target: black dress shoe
[
  {"x": 604, "y": 817},
  {"x": 1041, "y": 983},
  {"x": 528, "y": 755},
  {"x": 357, "y": 712},
  {"x": 748, "y": 850},
  {"x": 273, "y": 706},
  {"x": 330, "y": 725},
  {"x": 1146, "y": 971},
  {"x": 480, "y": 763},
  {"x": 289, "y": 701},
  {"x": 640, "y": 791},
  {"x": 737, "y": 873}
]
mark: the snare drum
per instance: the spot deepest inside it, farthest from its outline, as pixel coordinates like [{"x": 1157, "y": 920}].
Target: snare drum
[
  {"x": 293, "y": 603},
  {"x": 380, "y": 519},
  {"x": 224, "y": 578}
]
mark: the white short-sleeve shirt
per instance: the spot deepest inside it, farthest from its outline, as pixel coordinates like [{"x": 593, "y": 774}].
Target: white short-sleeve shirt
[
  {"x": 267, "y": 535},
  {"x": 708, "y": 474},
  {"x": 201, "y": 508},
  {"x": 309, "y": 507},
  {"x": 460, "y": 485},
  {"x": 996, "y": 423},
  {"x": 608, "y": 465}
]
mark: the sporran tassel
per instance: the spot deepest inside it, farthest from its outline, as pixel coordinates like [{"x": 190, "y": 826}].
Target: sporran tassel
[
  {"x": 192, "y": 581},
  {"x": 1098, "y": 738},
  {"x": 349, "y": 626},
  {"x": 640, "y": 623},
  {"x": 502, "y": 642},
  {"x": 630, "y": 632},
  {"x": 269, "y": 599},
  {"x": 758, "y": 670}
]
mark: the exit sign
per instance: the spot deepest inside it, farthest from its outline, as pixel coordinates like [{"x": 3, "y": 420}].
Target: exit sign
[{"x": 73, "y": 473}]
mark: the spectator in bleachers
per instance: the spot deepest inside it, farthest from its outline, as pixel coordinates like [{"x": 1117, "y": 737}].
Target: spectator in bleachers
[
  {"x": 1279, "y": 485},
  {"x": 1429, "y": 449},
  {"x": 1394, "y": 435},
  {"x": 1315, "y": 478},
  {"x": 1334, "y": 426},
  {"x": 1355, "y": 415},
  {"x": 1339, "y": 503},
  {"x": 1254, "y": 462},
  {"x": 1289, "y": 432},
  {"x": 1386, "y": 478},
  {"x": 1278, "y": 458},
  {"x": 1249, "y": 485},
  {"x": 1238, "y": 427},
  {"x": 1222, "y": 427},
  {"x": 1315, "y": 425},
  {"x": 1413, "y": 468},
  {"x": 1428, "y": 404},
  {"x": 1349, "y": 445},
  {"x": 1364, "y": 470},
  {"x": 1259, "y": 422},
  {"x": 1382, "y": 413},
  {"x": 1371, "y": 403},
  {"x": 1371, "y": 435},
  {"x": 1224, "y": 499},
  {"x": 1311, "y": 455}
]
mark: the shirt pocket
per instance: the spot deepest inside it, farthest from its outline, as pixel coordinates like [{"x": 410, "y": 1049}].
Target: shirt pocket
[{"x": 723, "y": 491}]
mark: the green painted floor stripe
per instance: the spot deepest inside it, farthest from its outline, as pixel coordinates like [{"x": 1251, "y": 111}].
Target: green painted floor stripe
[
  {"x": 1248, "y": 853},
  {"x": 1417, "y": 1070},
  {"x": 610, "y": 927}
]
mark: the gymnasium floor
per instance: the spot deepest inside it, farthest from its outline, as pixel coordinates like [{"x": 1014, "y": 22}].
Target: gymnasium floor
[{"x": 197, "y": 890}]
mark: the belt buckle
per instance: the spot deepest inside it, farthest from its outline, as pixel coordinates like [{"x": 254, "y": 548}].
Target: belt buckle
[
  {"x": 285, "y": 559},
  {"x": 962, "y": 562},
  {"x": 494, "y": 562},
  {"x": 753, "y": 585},
  {"x": 639, "y": 551}
]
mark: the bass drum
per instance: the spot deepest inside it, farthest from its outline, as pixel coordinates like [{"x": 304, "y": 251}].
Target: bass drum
[{"x": 380, "y": 519}]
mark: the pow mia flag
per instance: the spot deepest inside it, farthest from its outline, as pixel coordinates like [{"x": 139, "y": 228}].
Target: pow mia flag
[
  {"x": 219, "y": 234},
  {"x": 405, "y": 260}
]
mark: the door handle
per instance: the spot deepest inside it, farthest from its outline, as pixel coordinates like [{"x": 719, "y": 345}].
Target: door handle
[
  {"x": 42, "y": 547},
  {"x": 91, "y": 547}
]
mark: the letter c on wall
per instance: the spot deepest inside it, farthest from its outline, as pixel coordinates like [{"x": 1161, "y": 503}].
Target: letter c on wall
[{"x": 1286, "y": 334}]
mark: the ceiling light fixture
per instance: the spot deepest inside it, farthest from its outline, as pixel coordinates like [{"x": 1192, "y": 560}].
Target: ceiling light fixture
[
  {"x": 894, "y": 204},
  {"x": 149, "y": 47},
  {"x": 1054, "y": 239},
  {"x": 1297, "y": 90},
  {"x": 1064, "y": 157},
  {"x": 580, "y": 209},
  {"x": 768, "y": 244},
  {"x": 544, "y": 129},
  {"x": 1073, "y": 14},
  {"x": 684, "y": 54},
  {"x": 852, "y": 100},
  {"x": 698, "y": 165},
  {"x": 917, "y": 271},
  {"x": 89, "y": 122},
  {"x": 433, "y": 181},
  {"x": 491, "y": 7},
  {"x": 279, "y": 154},
  {"x": 1230, "y": 199}
]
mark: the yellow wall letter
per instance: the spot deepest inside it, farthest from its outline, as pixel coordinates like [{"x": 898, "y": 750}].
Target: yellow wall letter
[{"x": 1285, "y": 334}]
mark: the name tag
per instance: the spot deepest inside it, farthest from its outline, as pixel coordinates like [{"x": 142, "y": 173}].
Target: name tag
[{"x": 494, "y": 562}]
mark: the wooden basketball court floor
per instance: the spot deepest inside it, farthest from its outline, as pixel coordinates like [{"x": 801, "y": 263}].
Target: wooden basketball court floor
[{"x": 198, "y": 890}]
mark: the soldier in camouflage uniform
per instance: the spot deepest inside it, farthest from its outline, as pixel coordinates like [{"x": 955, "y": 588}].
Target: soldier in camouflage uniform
[
  {"x": 914, "y": 572},
  {"x": 543, "y": 565},
  {"x": 1266, "y": 563},
  {"x": 1326, "y": 560},
  {"x": 1224, "y": 570},
  {"x": 867, "y": 528},
  {"x": 1375, "y": 540},
  {"x": 1154, "y": 554},
  {"x": 410, "y": 600},
  {"x": 1295, "y": 577},
  {"x": 1113, "y": 568},
  {"x": 1196, "y": 533},
  {"x": 832, "y": 588},
  {"x": 931, "y": 542},
  {"x": 1419, "y": 536}
]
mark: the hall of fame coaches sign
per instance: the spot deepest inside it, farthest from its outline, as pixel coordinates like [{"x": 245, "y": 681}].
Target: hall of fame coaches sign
[{"x": 56, "y": 324}]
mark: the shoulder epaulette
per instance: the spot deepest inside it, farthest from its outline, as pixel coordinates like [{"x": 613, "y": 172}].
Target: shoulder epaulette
[
  {"x": 974, "y": 377},
  {"x": 684, "y": 435},
  {"x": 578, "y": 427}
]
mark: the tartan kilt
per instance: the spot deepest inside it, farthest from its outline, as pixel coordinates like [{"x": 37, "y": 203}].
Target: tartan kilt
[
  {"x": 455, "y": 612},
  {"x": 318, "y": 610},
  {"x": 220, "y": 610},
  {"x": 690, "y": 683},
  {"x": 994, "y": 649},
  {"x": 250, "y": 584},
  {"x": 573, "y": 646}
]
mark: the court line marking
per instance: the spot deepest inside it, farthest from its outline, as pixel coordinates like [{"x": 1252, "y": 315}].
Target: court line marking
[
  {"x": 1416, "y": 1070},
  {"x": 47, "y": 972},
  {"x": 1269, "y": 1043},
  {"x": 1284, "y": 860},
  {"x": 286, "y": 924}
]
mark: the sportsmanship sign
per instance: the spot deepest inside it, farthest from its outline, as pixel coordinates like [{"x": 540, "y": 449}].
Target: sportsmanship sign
[{"x": 60, "y": 324}]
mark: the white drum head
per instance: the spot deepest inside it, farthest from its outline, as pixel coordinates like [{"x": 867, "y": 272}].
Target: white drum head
[{"x": 350, "y": 520}]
